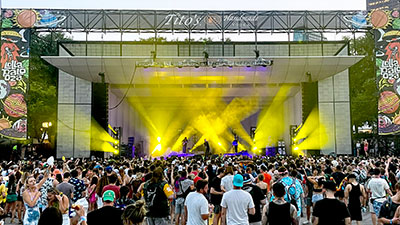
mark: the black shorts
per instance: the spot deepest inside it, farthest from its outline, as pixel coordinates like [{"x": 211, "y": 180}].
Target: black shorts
[{"x": 217, "y": 209}]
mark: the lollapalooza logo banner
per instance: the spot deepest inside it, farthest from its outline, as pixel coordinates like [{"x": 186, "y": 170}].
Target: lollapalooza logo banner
[
  {"x": 387, "y": 50},
  {"x": 15, "y": 37},
  {"x": 13, "y": 83}
]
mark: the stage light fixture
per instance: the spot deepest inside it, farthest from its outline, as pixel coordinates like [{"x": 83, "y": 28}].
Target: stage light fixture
[
  {"x": 219, "y": 143},
  {"x": 255, "y": 148},
  {"x": 296, "y": 148},
  {"x": 197, "y": 64},
  {"x": 158, "y": 139}
]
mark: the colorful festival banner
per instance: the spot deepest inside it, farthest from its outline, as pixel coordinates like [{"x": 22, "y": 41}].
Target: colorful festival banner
[
  {"x": 386, "y": 25},
  {"x": 30, "y": 18},
  {"x": 15, "y": 66},
  {"x": 13, "y": 83}
]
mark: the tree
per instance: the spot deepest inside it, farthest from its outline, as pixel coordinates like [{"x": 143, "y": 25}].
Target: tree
[
  {"x": 363, "y": 87},
  {"x": 153, "y": 39},
  {"x": 42, "y": 95}
]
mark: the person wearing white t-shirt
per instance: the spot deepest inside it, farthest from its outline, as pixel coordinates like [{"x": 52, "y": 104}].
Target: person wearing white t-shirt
[
  {"x": 196, "y": 205},
  {"x": 378, "y": 188},
  {"x": 237, "y": 204},
  {"x": 227, "y": 180}
]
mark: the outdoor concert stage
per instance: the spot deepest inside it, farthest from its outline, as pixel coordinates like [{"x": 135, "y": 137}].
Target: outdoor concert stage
[
  {"x": 150, "y": 92},
  {"x": 153, "y": 94}
]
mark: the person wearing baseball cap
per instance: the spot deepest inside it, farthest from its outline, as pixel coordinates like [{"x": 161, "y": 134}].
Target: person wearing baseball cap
[
  {"x": 330, "y": 210},
  {"x": 258, "y": 196},
  {"x": 237, "y": 204},
  {"x": 109, "y": 169},
  {"x": 108, "y": 214}
]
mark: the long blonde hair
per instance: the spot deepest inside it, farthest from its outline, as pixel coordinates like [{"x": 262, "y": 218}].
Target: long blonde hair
[{"x": 135, "y": 213}]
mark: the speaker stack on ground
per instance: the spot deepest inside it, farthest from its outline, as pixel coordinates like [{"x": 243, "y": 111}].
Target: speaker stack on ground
[
  {"x": 99, "y": 112},
  {"x": 309, "y": 91}
]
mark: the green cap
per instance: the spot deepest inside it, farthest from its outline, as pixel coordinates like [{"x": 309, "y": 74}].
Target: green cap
[{"x": 109, "y": 196}]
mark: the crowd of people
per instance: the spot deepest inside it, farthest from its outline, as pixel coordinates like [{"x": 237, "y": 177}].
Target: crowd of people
[
  {"x": 375, "y": 147},
  {"x": 200, "y": 190}
]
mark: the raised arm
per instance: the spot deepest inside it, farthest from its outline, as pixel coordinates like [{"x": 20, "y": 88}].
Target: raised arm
[
  {"x": 44, "y": 178},
  {"x": 64, "y": 203}
]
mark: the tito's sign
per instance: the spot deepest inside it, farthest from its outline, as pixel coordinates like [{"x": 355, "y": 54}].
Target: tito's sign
[{"x": 197, "y": 19}]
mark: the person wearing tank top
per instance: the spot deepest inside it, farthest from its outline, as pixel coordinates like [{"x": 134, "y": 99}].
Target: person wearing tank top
[
  {"x": 31, "y": 197},
  {"x": 352, "y": 194},
  {"x": 278, "y": 211}
]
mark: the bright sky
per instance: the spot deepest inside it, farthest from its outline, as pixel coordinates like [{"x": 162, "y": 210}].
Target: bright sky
[{"x": 191, "y": 4}]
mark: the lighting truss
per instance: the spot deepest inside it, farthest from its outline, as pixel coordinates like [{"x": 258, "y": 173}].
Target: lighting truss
[{"x": 210, "y": 63}]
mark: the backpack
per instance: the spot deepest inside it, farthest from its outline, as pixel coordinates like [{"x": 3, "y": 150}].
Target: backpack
[
  {"x": 185, "y": 193},
  {"x": 152, "y": 193},
  {"x": 390, "y": 206},
  {"x": 291, "y": 192}
]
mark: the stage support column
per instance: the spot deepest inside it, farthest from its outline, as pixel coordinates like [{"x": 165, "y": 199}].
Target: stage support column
[
  {"x": 74, "y": 115},
  {"x": 334, "y": 113}
]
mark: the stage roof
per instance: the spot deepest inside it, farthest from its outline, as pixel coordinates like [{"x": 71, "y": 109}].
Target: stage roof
[{"x": 120, "y": 69}]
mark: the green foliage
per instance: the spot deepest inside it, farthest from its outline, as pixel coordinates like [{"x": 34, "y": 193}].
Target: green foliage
[
  {"x": 363, "y": 87},
  {"x": 42, "y": 95},
  {"x": 153, "y": 39}
]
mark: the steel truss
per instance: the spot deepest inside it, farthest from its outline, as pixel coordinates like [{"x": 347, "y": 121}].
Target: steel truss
[{"x": 180, "y": 21}]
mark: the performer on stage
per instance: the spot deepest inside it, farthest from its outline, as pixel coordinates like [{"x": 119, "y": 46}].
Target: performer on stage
[
  {"x": 207, "y": 148},
  {"x": 184, "y": 144},
  {"x": 235, "y": 144}
]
